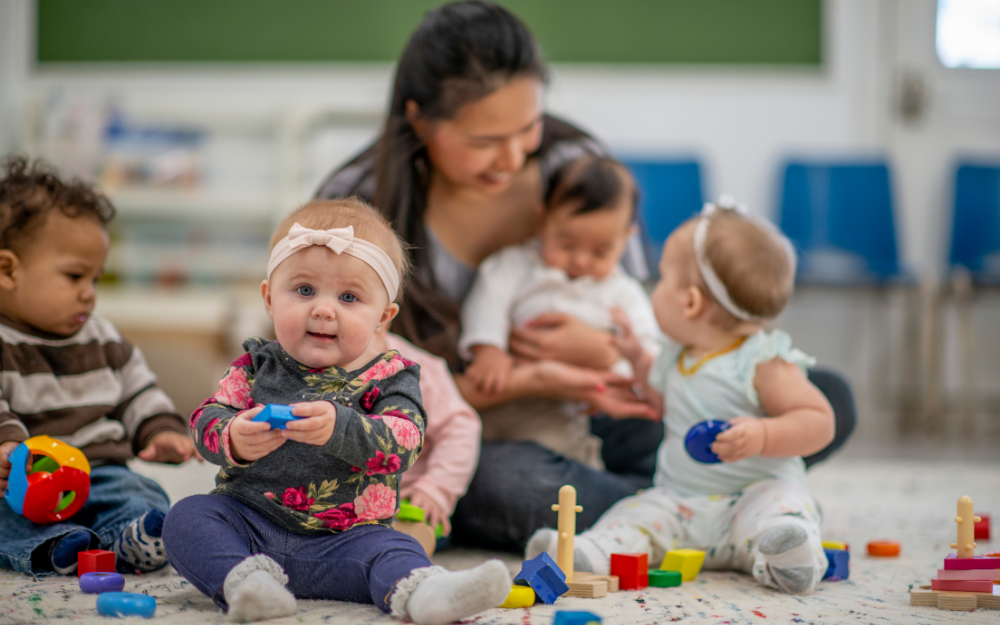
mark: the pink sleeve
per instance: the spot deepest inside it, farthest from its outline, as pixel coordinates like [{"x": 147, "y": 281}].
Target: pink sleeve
[{"x": 451, "y": 443}]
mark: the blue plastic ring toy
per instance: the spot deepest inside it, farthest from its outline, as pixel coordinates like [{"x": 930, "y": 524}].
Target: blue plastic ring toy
[
  {"x": 700, "y": 437},
  {"x": 98, "y": 583},
  {"x": 126, "y": 604}
]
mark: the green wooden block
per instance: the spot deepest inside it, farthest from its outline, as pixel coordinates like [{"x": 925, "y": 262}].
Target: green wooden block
[
  {"x": 409, "y": 512},
  {"x": 664, "y": 579}
]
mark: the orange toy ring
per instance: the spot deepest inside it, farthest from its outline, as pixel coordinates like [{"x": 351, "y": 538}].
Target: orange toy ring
[{"x": 883, "y": 548}]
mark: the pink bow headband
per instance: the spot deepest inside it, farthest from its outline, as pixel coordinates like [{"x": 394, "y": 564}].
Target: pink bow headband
[{"x": 341, "y": 241}]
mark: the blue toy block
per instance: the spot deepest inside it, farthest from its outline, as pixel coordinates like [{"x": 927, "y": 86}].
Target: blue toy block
[
  {"x": 544, "y": 576},
  {"x": 277, "y": 415},
  {"x": 839, "y": 564},
  {"x": 576, "y": 618}
]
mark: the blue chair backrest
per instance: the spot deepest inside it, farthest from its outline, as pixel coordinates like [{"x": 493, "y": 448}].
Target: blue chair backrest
[
  {"x": 975, "y": 232},
  {"x": 670, "y": 192},
  {"x": 841, "y": 206}
]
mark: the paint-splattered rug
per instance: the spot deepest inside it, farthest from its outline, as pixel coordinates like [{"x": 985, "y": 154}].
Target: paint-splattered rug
[{"x": 862, "y": 500}]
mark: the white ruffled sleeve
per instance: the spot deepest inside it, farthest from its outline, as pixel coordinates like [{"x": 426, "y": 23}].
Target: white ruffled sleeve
[
  {"x": 667, "y": 358},
  {"x": 765, "y": 346}
]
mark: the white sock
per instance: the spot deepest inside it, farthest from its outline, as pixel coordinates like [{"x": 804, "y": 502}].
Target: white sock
[
  {"x": 255, "y": 591},
  {"x": 433, "y": 596},
  {"x": 790, "y": 559}
]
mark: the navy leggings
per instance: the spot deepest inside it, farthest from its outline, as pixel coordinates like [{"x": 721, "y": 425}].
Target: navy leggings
[{"x": 207, "y": 535}]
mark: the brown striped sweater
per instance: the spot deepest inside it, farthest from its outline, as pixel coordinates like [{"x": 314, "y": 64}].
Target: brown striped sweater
[{"x": 92, "y": 390}]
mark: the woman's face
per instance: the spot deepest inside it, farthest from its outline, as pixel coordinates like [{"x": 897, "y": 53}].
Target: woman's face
[{"x": 487, "y": 141}]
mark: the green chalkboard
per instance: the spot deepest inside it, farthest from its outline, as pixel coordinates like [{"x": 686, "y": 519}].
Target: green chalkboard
[{"x": 782, "y": 32}]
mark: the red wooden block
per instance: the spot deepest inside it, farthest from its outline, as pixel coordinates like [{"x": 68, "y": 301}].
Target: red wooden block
[
  {"x": 632, "y": 570},
  {"x": 982, "y": 529},
  {"x": 952, "y": 563},
  {"x": 95, "y": 561},
  {"x": 992, "y": 575},
  {"x": 962, "y": 585}
]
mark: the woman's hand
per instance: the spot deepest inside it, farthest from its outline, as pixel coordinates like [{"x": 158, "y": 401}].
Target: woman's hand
[
  {"x": 563, "y": 337},
  {"x": 605, "y": 392},
  {"x": 170, "y": 448},
  {"x": 433, "y": 514},
  {"x": 317, "y": 427},
  {"x": 5, "y": 450},
  {"x": 490, "y": 368},
  {"x": 744, "y": 439},
  {"x": 251, "y": 440}
]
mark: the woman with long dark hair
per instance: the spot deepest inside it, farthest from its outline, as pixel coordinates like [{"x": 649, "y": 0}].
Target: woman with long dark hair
[{"x": 461, "y": 169}]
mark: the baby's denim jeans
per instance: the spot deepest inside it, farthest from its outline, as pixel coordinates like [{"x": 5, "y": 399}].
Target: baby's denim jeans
[
  {"x": 207, "y": 535},
  {"x": 117, "y": 497}
]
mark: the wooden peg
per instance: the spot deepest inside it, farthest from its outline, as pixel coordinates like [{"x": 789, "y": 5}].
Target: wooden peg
[
  {"x": 964, "y": 544},
  {"x": 567, "y": 510}
]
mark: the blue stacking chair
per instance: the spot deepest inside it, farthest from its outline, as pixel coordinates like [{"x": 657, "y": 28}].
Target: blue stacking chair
[
  {"x": 670, "y": 192},
  {"x": 840, "y": 208},
  {"x": 975, "y": 232}
]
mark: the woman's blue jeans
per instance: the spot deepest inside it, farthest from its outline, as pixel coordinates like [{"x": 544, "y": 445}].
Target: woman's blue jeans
[
  {"x": 117, "y": 497},
  {"x": 207, "y": 535}
]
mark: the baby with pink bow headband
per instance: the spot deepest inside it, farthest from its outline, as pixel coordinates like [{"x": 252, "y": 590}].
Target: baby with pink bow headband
[{"x": 321, "y": 492}]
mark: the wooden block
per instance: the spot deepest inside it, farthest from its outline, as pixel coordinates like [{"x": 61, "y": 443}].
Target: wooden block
[
  {"x": 612, "y": 580},
  {"x": 835, "y": 544},
  {"x": 632, "y": 570},
  {"x": 963, "y": 585},
  {"x": 992, "y": 575},
  {"x": 519, "y": 597},
  {"x": 421, "y": 532},
  {"x": 687, "y": 562},
  {"x": 982, "y": 527},
  {"x": 95, "y": 561},
  {"x": 954, "y": 563},
  {"x": 590, "y": 589},
  {"x": 954, "y": 600}
]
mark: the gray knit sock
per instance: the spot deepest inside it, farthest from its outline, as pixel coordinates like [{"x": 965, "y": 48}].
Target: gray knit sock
[
  {"x": 433, "y": 596},
  {"x": 785, "y": 546},
  {"x": 255, "y": 591}
]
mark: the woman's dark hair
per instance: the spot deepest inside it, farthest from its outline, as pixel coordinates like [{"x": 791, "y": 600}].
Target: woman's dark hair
[
  {"x": 460, "y": 53},
  {"x": 29, "y": 191},
  {"x": 593, "y": 183}
]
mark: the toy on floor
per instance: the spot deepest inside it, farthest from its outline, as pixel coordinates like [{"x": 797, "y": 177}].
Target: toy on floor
[
  {"x": 576, "y": 618},
  {"x": 95, "y": 561},
  {"x": 631, "y": 569},
  {"x": 544, "y": 576},
  {"x": 277, "y": 415},
  {"x": 580, "y": 584},
  {"x": 126, "y": 604},
  {"x": 884, "y": 548},
  {"x": 410, "y": 521},
  {"x": 983, "y": 527},
  {"x": 687, "y": 562},
  {"x": 659, "y": 578},
  {"x": 519, "y": 597},
  {"x": 966, "y": 581},
  {"x": 836, "y": 544},
  {"x": 55, "y": 486},
  {"x": 838, "y": 564},
  {"x": 97, "y": 583},
  {"x": 700, "y": 437}
]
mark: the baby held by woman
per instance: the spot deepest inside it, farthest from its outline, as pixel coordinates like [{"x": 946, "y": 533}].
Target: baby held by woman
[{"x": 723, "y": 275}]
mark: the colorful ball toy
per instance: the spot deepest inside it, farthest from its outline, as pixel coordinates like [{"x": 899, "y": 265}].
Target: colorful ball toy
[{"x": 51, "y": 488}]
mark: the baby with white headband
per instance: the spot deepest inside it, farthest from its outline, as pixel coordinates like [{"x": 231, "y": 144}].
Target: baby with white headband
[
  {"x": 723, "y": 275},
  {"x": 306, "y": 511}
]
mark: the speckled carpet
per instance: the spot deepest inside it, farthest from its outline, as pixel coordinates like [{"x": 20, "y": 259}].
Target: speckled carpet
[{"x": 862, "y": 500}]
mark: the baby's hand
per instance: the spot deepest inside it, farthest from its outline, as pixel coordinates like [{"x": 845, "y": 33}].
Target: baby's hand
[
  {"x": 433, "y": 514},
  {"x": 5, "y": 450},
  {"x": 170, "y": 448},
  {"x": 624, "y": 338},
  {"x": 490, "y": 368},
  {"x": 317, "y": 428},
  {"x": 745, "y": 438},
  {"x": 252, "y": 440}
]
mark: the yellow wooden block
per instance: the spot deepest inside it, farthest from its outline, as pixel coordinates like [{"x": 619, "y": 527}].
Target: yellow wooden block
[
  {"x": 686, "y": 561},
  {"x": 519, "y": 597},
  {"x": 834, "y": 544}
]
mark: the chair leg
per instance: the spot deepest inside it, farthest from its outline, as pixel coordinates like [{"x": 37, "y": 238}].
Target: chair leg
[
  {"x": 962, "y": 285},
  {"x": 929, "y": 303}
]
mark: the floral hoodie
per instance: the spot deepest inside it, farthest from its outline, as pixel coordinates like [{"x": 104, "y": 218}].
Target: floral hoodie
[{"x": 353, "y": 478}]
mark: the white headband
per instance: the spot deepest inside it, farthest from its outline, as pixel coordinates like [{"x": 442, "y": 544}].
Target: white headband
[
  {"x": 715, "y": 285},
  {"x": 340, "y": 240}
]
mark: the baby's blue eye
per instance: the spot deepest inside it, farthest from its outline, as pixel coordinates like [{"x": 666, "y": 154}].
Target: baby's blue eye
[
  {"x": 348, "y": 298},
  {"x": 305, "y": 290}
]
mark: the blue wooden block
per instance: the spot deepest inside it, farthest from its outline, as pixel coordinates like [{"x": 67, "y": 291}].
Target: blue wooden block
[
  {"x": 277, "y": 415},
  {"x": 839, "y": 564},
  {"x": 544, "y": 576},
  {"x": 564, "y": 617}
]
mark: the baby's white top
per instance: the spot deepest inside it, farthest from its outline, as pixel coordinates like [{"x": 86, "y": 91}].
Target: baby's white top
[
  {"x": 514, "y": 286},
  {"x": 721, "y": 389}
]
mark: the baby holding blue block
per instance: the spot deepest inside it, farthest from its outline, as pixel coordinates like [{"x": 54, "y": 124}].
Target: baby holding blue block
[
  {"x": 723, "y": 275},
  {"x": 306, "y": 510}
]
